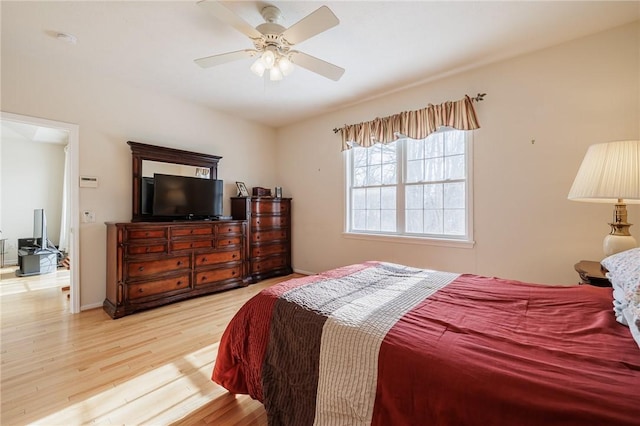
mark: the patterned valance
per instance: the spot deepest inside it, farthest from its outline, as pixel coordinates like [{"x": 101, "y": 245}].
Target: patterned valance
[{"x": 418, "y": 124}]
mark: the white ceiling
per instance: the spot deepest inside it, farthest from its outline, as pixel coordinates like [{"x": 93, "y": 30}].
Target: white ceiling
[{"x": 383, "y": 45}]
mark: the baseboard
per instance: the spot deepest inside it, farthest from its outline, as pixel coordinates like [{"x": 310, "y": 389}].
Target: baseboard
[
  {"x": 90, "y": 306},
  {"x": 300, "y": 271}
]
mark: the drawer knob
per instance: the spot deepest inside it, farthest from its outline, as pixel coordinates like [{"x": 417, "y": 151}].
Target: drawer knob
[
  {"x": 140, "y": 290},
  {"x": 229, "y": 230},
  {"x": 233, "y": 256},
  {"x": 229, "y": 242},
  {"x": 257, "y": 237},
  {"x": 233, "y": 272},
  {"x": 204, "y": 259},
  {"x": 179, "y": 283},
  {"x": 179, "y": 263},
  {"x": 203, "y": 278},
  {"x": 141, "y": 268}
]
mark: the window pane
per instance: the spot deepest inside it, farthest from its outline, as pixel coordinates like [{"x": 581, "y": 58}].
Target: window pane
[
  {"x": 454, "y": 197},
  {"x": 360, "y": 176},
  {"x": 359, "y": 221},
  {"x": 415, "y": 149},
  {"x": 359, "y": 157},
  {"x": 454, "y": 143},
  {"x": 415, "y": 171},
  {"x": 374, "y": 175},
  {"x": 433, "y": 197},
  {"x": 359, "y": 198},
  {"x": 375, "y": 154},
  {"x": 388, "y": 221},
  {"x": 433, "y": 146},
  {"x": 373, "y": 220},
  {"x": 388, "y": 198},
  {"x": 455, "y": 167},
  {"x": 389, "y": 153},
  {"x": 413, "y": 221},
  {"x": 454, "y": 222},
  {"x": 434, "y": 169},
  {"x": 389, "y": 174},
  {"x": 433, "y": 222},
  {"x": 413, "y": 197},
  {"x": 373, "y": 198}
]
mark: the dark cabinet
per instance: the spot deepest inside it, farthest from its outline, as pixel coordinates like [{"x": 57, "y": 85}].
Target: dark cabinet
[
  {"x": 151, "y": 264},
  {"x": 268, "y": 234}
]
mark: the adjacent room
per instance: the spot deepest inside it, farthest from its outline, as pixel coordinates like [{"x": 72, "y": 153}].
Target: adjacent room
[{"x": 221, "y": 186}]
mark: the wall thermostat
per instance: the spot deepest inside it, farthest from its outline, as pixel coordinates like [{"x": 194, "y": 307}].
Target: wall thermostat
[{"x": 88, "y": 182}]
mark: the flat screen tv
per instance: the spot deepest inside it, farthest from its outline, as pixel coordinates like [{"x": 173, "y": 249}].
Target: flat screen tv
[
  {"x": 40, "y": 228},
  {"x": 186, "y": 197}
]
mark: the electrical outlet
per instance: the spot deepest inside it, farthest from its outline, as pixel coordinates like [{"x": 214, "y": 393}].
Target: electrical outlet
[{"x": 88, "y": 216}]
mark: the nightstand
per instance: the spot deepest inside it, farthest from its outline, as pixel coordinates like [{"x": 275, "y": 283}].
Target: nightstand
[{"x": 592, "y": 273}]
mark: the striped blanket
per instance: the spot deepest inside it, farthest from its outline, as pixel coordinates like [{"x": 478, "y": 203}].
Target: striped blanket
[{"x": 380, "y": 343}]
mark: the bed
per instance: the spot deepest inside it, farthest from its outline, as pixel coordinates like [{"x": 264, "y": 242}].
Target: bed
[{"x": 386, "y": 344}]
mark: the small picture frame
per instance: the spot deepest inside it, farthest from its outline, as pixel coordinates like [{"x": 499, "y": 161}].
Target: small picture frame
[
  {"x": 278, "y": 192},
  {"x": 242, "y": 189}
]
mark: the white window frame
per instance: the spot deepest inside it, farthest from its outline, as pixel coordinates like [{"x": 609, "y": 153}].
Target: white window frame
[{"x": 465, "y": 241}]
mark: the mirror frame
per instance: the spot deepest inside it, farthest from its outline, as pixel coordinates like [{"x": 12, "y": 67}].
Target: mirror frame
[{"x": 142, "y": 151}]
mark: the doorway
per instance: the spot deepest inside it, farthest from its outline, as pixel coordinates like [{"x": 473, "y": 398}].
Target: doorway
[{"x": 70, "y": 200}]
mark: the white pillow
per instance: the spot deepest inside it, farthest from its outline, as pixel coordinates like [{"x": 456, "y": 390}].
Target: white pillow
[{"x": 624, "y": 274}]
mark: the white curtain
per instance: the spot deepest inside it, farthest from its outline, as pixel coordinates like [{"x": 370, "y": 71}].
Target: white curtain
[{"x": 65, "y": 216}]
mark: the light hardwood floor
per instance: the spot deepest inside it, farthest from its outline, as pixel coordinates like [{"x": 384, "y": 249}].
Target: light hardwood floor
[{"x": 150, "y": 368}]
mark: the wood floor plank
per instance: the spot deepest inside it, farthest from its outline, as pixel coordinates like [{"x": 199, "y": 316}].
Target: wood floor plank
[{"x": 153, "y": 367}]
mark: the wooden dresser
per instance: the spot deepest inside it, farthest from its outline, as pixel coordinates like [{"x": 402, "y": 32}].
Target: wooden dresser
[
  {"x": 268, "y": 234},
  {"x": 150, "y": 264}
]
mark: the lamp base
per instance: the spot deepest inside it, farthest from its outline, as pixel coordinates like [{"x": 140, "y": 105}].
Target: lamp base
[
  {"x": 619, "y": 239},
  {"x": 616, "y": 243}
]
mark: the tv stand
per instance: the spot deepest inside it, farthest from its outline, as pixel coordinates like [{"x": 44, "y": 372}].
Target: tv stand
[{"x": 36, "y": 262}]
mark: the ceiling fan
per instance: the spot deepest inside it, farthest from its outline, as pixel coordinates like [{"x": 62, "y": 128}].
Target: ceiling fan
[{"x": 273, "y": 43}]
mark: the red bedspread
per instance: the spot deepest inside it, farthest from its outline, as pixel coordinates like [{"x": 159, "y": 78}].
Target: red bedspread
[{"x": 474, "y": 351}]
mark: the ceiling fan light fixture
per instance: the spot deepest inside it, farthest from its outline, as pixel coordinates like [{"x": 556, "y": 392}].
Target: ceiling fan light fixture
[
  {"x": 285, "y": 65},
  {"x": 275, "y": 74},
  {"x": 268, "y": 59},
  {"x": 258, "y": 67}
]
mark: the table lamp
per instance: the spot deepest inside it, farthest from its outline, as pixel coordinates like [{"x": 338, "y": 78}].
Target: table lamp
[{"x": 610, "y": 173}]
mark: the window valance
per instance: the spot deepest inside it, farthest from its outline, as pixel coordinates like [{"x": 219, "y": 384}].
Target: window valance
[{"x": 417, "y": 124}]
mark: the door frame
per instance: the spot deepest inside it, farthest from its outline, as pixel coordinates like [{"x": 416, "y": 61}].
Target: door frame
[{"x": 73, "y": 196}]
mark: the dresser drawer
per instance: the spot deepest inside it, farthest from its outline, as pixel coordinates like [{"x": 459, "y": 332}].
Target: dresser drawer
[
  {"x": 229, "y": 241},
  {"x": 213, "y": 275},
  {"x": 191, "y": 230},
  {"x": 229, "y": 228},
  {"x": 265, "y": 250},
  {"x": 133, "y": 250},
  {"x": 152, "y": 267},
  {"x": 146, "y": 233},
  {"x": 268, "y": 264},
  {"x": 275, "y": 235},
  {"x": 270, "y": 207},
  {"x": 190, "y": 244},
  {"x": 269, "y": 221},
  {"x": 151, "y": 288},
  {"x": 218, "y": 257}
]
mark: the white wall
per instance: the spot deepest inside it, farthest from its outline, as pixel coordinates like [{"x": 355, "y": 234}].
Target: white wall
[
  {"x": 32, "y": 177},
  {"x": 565, "y": 98},
  {"x": 109, "y": 114}
]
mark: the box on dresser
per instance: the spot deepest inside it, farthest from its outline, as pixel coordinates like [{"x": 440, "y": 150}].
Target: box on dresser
[
  {"x": 268, "y": 234},
  {"x": 151, "y": 264}
]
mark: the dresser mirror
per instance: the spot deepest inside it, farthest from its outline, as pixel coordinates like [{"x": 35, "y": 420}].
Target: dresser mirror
[{"x": 149, "y": 159}]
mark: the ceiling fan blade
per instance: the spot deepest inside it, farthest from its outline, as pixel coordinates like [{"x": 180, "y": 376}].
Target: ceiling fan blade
[
  {"x": 314, "y": 23},
  {"x": 227, "y": 16},
  {"x": 211, "y": 61},
  {"x": 325, "y": 69}
]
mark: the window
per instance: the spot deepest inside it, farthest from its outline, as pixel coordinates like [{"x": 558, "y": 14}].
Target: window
[{"x": 417, "y": 188}]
